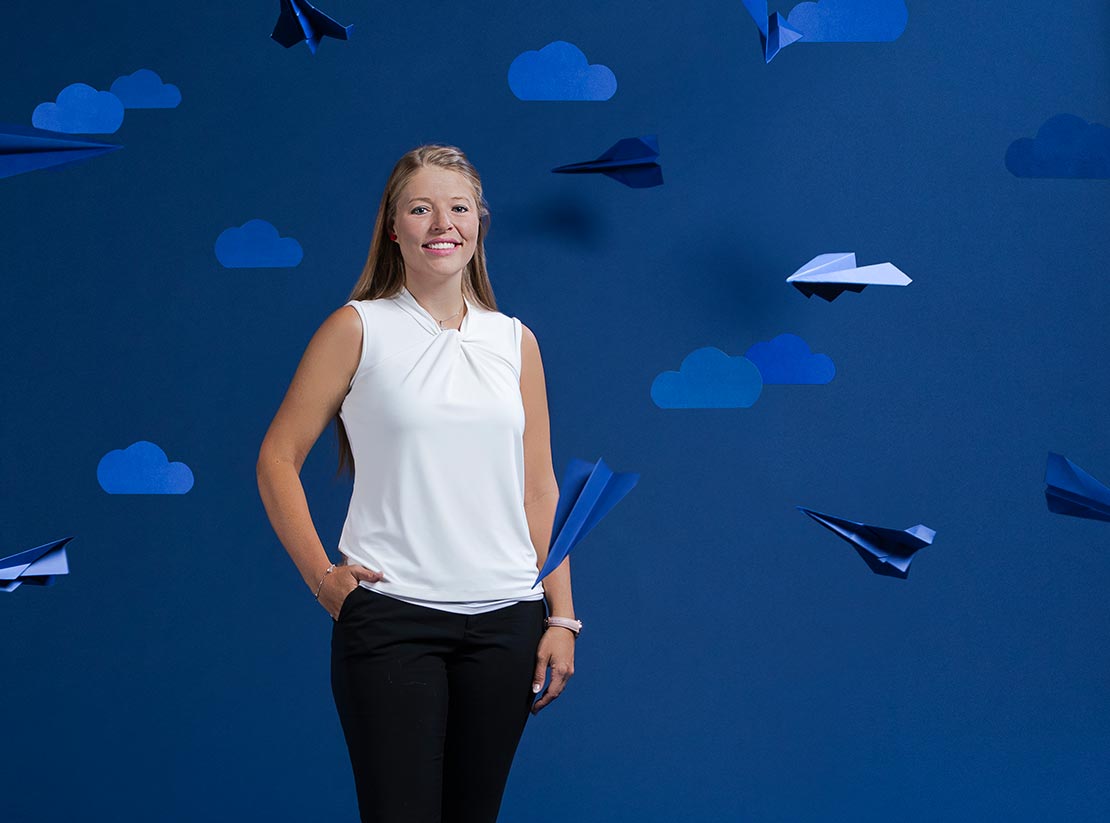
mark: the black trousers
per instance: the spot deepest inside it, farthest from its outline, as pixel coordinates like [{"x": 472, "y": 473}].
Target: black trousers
[{"x": 433, "y": 704}]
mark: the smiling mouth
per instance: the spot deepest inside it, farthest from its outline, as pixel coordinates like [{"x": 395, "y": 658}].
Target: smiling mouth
[{"x": 442, "y": 245}]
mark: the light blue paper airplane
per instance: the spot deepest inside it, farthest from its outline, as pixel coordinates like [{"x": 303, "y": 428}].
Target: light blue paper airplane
[
  {"x": 887, "y": 551},
  {"x": 300, "y": 20},
  {"x": 24, "y": 149},
  {"x": 631, "y": 161},
  {"x": 588, "y": 493},
  {"x": 829, "y": 275},
  {"x": 775, "y": 34},
  {"x": 1072, "y": 491},
  {"x": 38, "y": 566}
]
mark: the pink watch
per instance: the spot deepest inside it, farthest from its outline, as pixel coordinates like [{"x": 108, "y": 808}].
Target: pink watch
[{"x": 564, "y": 623}]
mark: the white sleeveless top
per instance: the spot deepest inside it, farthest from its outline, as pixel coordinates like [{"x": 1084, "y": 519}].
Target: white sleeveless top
[{"x": 435, "y": 422}]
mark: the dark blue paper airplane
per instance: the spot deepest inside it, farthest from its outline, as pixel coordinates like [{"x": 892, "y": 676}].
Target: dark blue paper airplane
[
  {"x": 38, "y": 566},
  {"x": 25, "y": 149},
  {"x": 886, "y": 551},
  {"x": 774, "y": 32},
  {"x": 1072, "y": 491},
  {"x": 588, "y": 493},
  {"x": 301, "y": 20},
  {"x": 631, "y": 161}
]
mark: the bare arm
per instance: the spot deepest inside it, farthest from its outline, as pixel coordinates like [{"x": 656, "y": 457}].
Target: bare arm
[
  {"x": 541, "y": 494},
  {"x": 314, "y": 397}
]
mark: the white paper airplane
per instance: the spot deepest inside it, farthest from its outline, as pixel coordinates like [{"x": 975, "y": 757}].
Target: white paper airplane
[{"x": 828, "y": 275}]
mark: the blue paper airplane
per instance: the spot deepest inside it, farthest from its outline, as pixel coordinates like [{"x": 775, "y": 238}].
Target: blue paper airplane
[
  {"x": 631, "y": 161},
  {"x": 886, "y": 551},
  {"x": 301, "y": 20},
  {"x": 774, "y": 32},
  {"x": 830, "y": 275},
  {"x": 25, "y": 149},
  {"x": 1070, "y": 490},
  {"x": 588, "y": 493},
  {"x": 38, "y": 566}
]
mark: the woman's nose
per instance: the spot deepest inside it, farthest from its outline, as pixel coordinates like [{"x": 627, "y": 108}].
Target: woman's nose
[{"x": 442, "y": 222}]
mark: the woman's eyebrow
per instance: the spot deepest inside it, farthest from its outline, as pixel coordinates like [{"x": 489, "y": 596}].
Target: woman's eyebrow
[{"x": 428, "y": 199}]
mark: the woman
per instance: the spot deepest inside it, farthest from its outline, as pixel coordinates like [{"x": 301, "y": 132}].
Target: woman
[{"x": 440, "y": 642}]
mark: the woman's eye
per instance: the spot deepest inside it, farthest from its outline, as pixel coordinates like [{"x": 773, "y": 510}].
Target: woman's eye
[
  {"x": 419, "y": 210},
  {"x": 462, "y": 208}
]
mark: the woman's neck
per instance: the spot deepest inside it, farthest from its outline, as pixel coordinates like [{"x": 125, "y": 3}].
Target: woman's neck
[{"x": 442, "y": 300}]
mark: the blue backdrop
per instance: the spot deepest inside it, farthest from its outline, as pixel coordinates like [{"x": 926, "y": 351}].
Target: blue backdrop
[{"x": 738, "y": 661}]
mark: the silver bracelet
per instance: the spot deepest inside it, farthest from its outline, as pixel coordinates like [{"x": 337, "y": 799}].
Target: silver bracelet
[
  {"x": 320, "y": 585},
  {"x": 564, "y": 623}
]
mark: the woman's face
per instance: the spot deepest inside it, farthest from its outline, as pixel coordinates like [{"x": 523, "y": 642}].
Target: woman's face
[{"x": 436, "y": 223}]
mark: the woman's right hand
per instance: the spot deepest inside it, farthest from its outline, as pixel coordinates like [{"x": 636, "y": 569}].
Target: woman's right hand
[{"x": 339, "y": 584}]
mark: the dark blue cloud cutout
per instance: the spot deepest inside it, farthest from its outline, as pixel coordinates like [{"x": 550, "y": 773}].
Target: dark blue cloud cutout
[
  {"x": 849, "y": 21},
  {"x": 142, "y": 468},
  {"x": 144, "y": 89},
  {"x": 257, "y": 245},
  {"x": 560, "y": 71},
  {"x": 708, "y": 379},
  {"x": 788, "y": 360},
  {"x": 1065, "y": 146},
  {"x": 80, "y": 109}
]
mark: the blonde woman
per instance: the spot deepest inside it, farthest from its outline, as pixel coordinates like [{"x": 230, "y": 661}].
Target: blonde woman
[{"x": 439, "y": 641}]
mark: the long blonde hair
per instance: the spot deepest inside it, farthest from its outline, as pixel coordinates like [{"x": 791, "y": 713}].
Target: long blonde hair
[{"x": 384, "y": 272}]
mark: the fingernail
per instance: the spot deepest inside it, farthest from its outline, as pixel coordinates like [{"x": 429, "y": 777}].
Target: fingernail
[{"x": 536, "y": 687}]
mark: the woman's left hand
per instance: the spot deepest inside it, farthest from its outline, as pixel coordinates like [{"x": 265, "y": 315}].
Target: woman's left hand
[{"x": 556, "y": 650}]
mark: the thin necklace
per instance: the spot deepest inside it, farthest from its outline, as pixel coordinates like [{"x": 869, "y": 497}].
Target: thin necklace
[{"x": 445, "y": 319}]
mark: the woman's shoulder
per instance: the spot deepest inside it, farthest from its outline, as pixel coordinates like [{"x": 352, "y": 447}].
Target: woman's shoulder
[{"x": 376, "y": 304}]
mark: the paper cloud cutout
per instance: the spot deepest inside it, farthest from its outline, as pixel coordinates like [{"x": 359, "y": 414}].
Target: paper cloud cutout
[
  {"x": 787, "y": 360},
  {"x": 849, "y": 21},
  {"x": 560, "y": 71},
  {"x": 708, "y": 379},
  {"x": 1065, "y": 146},
  {"x": 80, "y": 109},
  {"x": 144, "y": 89},
  {"x": 142, "y": 468},
  {"x": 257, "y": 245}
]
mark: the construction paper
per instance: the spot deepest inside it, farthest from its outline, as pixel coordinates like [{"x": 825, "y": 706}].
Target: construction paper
[
  {"x": 708, "y": 379},
  {"x": 24, "y": 149},
  {"x": 788, "y": 360},
  {"x": 589, "y": 491},
  {"x": 300, "y": 20},
  {"x": 39, "y": 566},
  {"x": 775, "y": 34},
  {"x": 80, "y": 109},
  {"x": 142, "y": 468},
  {"x": 257, "y": 244},
  {"x": 1072, "y": 491},
  {"x": 829, "y": 275},
  {"x": 560, "y": 71},
  {"x": 887, "y": 551},
  {"x": 144, "y": 89},
  {"x": 849, "y": 21},
  {"x": 631, "y": 161},
  {"x": 1066, "y": 146}
]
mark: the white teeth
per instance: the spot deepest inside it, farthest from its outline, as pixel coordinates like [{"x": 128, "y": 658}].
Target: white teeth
[{"x": 441, "y": 245}]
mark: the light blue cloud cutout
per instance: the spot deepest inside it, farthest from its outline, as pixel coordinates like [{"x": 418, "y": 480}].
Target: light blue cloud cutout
[
  {"x": 144, "y": 89},
  {"x": 256, "y": 244},
  {"x": 708, "y": 379},
  {"x": 142, "y": 468},
  {"x": 788, "y": 360},
  {"x": 849, "y": 21},
  {"x": 560, "y": 71},
  {"x": 80, "y": 109}
]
